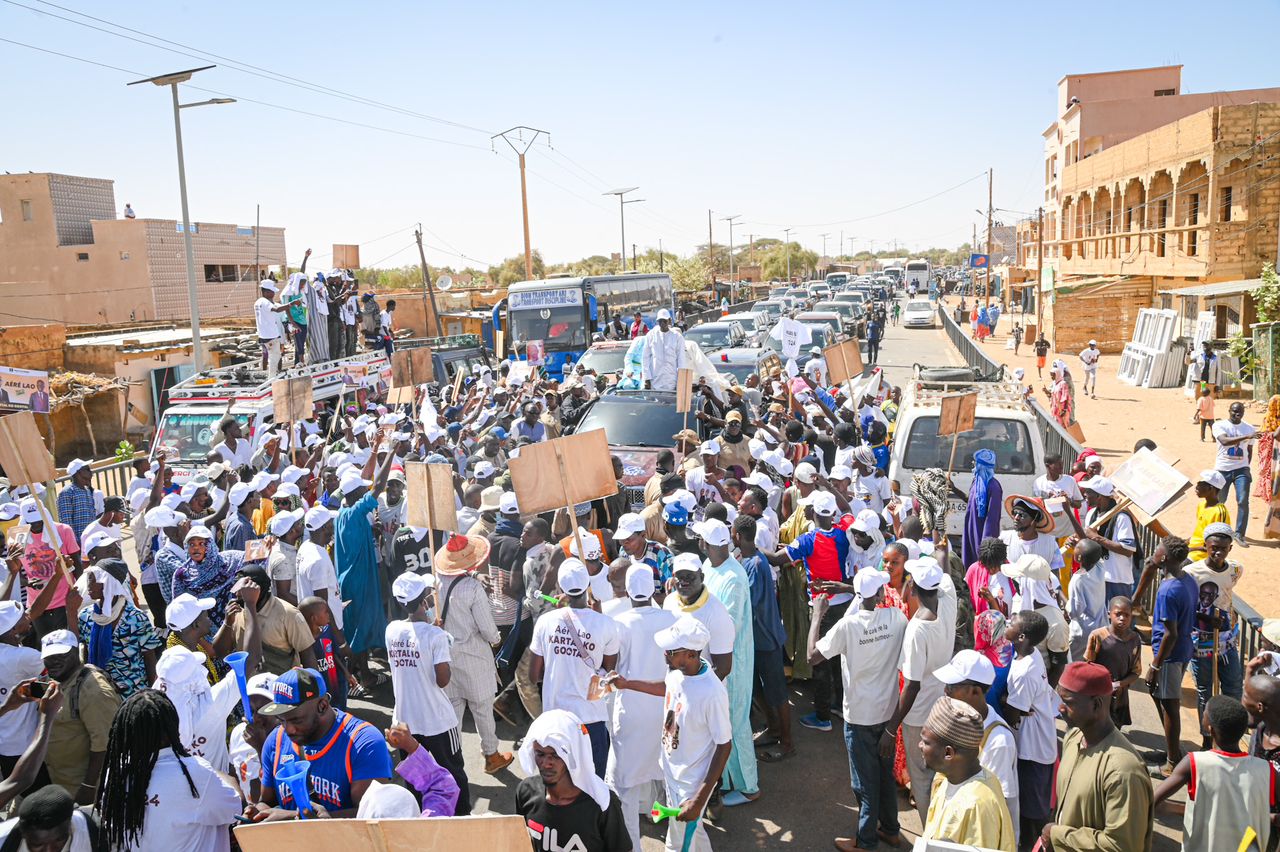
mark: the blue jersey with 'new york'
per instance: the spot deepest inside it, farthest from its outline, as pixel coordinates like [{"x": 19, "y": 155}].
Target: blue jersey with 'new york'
[{"x": 351, "y": 750}]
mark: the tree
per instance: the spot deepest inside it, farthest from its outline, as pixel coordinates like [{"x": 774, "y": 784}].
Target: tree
[
  {"x": 1266, "y": 297},
  {"x": 773, "y": 262},
  {"x": 688, "y": 274},
  {"x": 511, "y": 270}
]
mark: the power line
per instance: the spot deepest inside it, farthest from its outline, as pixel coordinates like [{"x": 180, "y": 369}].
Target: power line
[{"x": 233, "y": 64}]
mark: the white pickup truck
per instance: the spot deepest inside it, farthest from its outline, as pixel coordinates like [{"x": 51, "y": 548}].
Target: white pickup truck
[{"x": 1002, "y": 423}]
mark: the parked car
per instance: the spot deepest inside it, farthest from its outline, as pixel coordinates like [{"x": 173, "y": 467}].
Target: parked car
[
  {"x": 773, "y": 309},
  {"x": 638, "y": 424},
  {"x": 851, "y": 316},
  {"x": 755, "y": 323},
  {"x": 742, "y": 361},
  {"x": 829, "y": 318},
  {"x": 919, "y": 313},
  {"x": 606, "y": 357},
  {"x": 712, "y": 336}
]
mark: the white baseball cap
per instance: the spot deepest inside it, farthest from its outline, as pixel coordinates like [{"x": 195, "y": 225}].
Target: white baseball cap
[
  {"x": 806, "y": 472},
  {"x": 757, "y": 447},
  {"x": 710, "y": 448},
  {"x": 160, "y": 517},
  {"x": 823, "y": 503},
  {"x": 31, "y": 511},
  {"x": 509, "y": 505},
  {"x": 11, "y": 613},
  {"x": 967, "y": 665},
  {"x": 664, "y": 314},
  {"x": 9, "y": 511},
  {"x": 628, "y": 525},
  {"x": 267, "y": 284},
  {"x": 484, "y": 470},
  {"x": 260, "y": 685},
  {"x": 868, "y": 581},
  {"x": 1099, "y": 485},
  {"x": 282, "y": 522},
  {"x": 713, "y": 531},
  {"x": 839, "y": 472},
  {"x": 688, "y": 632},
  {"x": 293, "y": 473},
  {"x": 76, "y": 466},
  {"x": 262, "y": 479},
  {"x": 686, "y": 562},
  {"x": 99, "y": 538},
  {"x": 1214, "y": 478},
  {"x": 182, "y": 612},
  {"x": 682, "y": 496},
  {"x": 925, "y": 572},
  {"x": 58, "y": 642},
  {"x": 286, "y": 489},
  {"x": 198, "y": 531},
  {"x": 572, "y": 577},
  {"x": 1029, "y": 565},
  {"x": 239, "y": 493},
  {"x": 639, "y": 582},
  {"x": 866, "y": 521},
  {"x": 590, "y": 545},
  {"x": 318, "y": 516},
  {"x": 351, "y": 482},
  {"x": 409, "y": 586}
]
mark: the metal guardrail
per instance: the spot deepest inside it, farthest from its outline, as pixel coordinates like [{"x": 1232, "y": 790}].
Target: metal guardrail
[{"x": 1056, "y": 440}]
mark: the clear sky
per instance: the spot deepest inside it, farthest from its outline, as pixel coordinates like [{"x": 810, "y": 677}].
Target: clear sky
[{"x": 821, "y": 116}]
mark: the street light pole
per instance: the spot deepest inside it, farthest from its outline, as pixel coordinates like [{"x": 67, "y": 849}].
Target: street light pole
[
  {"x": 730, "y": 219},
  {"x": 521, "y": 150},
  {"x": 193, "y": 295},
  {"x": 622, "y": 219},
  {"x": 787, "y": 235}
]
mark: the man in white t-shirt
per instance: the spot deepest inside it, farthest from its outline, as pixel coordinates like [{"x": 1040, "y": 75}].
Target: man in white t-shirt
[
  {"x": 316, "y": 575},
  {"x": 17, "y": 664},
  {"x": 816, "y": 367},
  {"x": 1089, "y": 357},
  {"x": 967, "y": 678},
  {"x": 1056, "y": 483},
  {"x": 869, "y": 642},
  {"x": 1235, "y": 453},
  {"x": 1117, "y": 536},
  {"x": 266, "y": 316},
  {"x": 418, "y": 654},
  {"x": 693, "y": 597},
  {"x": 385, "y": 327},
  {"x": 350, "y": 313},
  {"x": 697, "y": 734},
  {"x": 1031, "y": 706},
  {"x": 572, "y": 647}
]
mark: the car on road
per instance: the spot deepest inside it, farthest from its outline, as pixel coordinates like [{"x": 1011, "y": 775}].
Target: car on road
[
  {"x": 638, "y": 424},
  {"x": 919, "y": 313},
  {"x": 755, "y": 323},
  {"x": 831, "y": 319},
  {"x": 712, "y": 336},
  {"x": 799, "y": 297},
  {"x": 1002, "y": 423},
  {"x": 606, "y": 357},
  {"x": 820, "y": 335},
  {"x": 742, "y": 361},
  {"x": 853, "y": 297},
  {"x": 773, "y": 309},
  {"x": 851, "y": 316}
]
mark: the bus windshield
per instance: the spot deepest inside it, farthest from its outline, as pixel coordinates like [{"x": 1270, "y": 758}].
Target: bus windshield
[
  {"x": 188, "y": 438},
  {"x": 559, "y": 328}
]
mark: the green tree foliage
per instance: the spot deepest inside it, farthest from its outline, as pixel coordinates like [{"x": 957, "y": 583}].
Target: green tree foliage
[
  {"x": 773, "y": 260},
  {"x": 511, "y": 270},
  {"x": 1266, "y": 297}
]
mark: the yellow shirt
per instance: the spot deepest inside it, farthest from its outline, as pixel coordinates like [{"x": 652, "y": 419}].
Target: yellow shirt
[
  {"x": 972, "y": 813},
  {"x": 1205, "y": 515},
  {"x": 262, "y": 516}
]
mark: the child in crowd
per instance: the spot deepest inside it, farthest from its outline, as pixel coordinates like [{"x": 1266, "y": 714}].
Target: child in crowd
[
  {"x": 1118, "y": 648},
  {"x": 1230, "y": 794},
  {"x": 1031, "y": 706},
  {"x": 247, "y": 738},
  {"x": 330, "y": 649},
  {"x": 1204, "y": 411}
]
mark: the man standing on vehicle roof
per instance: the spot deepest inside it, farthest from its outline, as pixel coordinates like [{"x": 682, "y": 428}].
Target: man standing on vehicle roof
[
  {"x": 664, "y": 354},
  {"x": 270, "y": 331}
]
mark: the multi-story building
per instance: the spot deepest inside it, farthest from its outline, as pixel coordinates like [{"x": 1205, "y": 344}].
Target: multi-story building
[{"x": 66, "y": 255}]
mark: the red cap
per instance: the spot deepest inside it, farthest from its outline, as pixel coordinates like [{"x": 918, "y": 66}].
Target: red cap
[{"x": 1086, "y": 679}]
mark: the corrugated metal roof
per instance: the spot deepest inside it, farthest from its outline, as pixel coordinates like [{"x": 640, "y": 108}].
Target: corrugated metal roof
[
  {"x": 150, "y": 337},
  {"x": 1220, "y": 288}
]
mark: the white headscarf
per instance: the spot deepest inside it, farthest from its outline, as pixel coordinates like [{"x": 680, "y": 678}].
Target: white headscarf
[
  {"x": 112, "y": 592},
  {"x": 564, "y": 732},
  {"x": 181, "y": 675},
  {"x": 387, "y": 801}
]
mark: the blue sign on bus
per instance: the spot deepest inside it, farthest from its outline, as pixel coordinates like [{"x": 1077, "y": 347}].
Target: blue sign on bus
[{"x": 519, "y": 300}]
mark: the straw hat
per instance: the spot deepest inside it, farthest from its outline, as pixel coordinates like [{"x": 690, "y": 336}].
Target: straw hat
[
  {"x": 462, "y": 554},
  {"x": 1044, "y": 523}
]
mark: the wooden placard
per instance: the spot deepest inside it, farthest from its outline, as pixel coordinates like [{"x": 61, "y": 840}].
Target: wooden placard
[
  {"x": 23, "y": 454},
  {"x": 400, "y": 395},
  {"x": 844, "y": 361},
  {"x": 491, "y": 833},
  {"x": 429, "y": 490},
  {"x": 499, "y": 339},
  {"x": 555, "y": 474},
  {"x": 292, "y": 399},
  {"x": 1149, "y": 481},
  {"x": 957, "y": 413},
  {"x": 684, "y": 389},
  {"x": 411, "y": 367},
  {"x": 458, "y": 377}
]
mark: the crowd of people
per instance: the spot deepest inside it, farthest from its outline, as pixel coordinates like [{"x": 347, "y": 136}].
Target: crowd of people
[{"x": 649, "y": 651}]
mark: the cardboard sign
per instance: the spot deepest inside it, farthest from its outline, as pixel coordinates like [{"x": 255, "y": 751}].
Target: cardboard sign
[
  {"x": 684, "y": 389},
  {"x": 401, "y": 395},
  {"x": 518, "y": 373},
  {"x": 555, "y": 474},
  {"x": 292, "y": 399},
  {"x": 429, "y": 490},
  {"x": 491, "y": 833},
  {"x": 23, "y": 455},
  {"x": 499, "y": 338},
  {"x": 844, "y": 362},
  {"x": 411, "y": 367},
  {"x": 957, "y": 413},
  {"x": 1149, "y": 481}
]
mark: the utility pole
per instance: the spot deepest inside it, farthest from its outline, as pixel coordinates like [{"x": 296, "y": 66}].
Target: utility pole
[
  {"x": 622, "y": 218},
  {"x": 824, "y": 245},
  {"x": 521, "y": 148},
  {"x": 989, "y": 171},
  {"x": 840, "y": 245},
  {"x": 661, "y": 258},
  {"x": 633, "y": 258},
  {"x": 428, "y": 289},
  {"x": 257, "y": 257},
  {"x": 787, "y": 234},
  {"x": 711, "y": 253},
  {"x": 1039, "y": 269},
  {"x": 730, "y": 219}
]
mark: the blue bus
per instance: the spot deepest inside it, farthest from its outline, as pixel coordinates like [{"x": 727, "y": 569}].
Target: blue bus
[{"x": 564, "y": 313}]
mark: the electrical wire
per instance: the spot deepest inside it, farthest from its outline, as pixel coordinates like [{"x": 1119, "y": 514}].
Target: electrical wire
[{"x": 234, "y": 64}]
